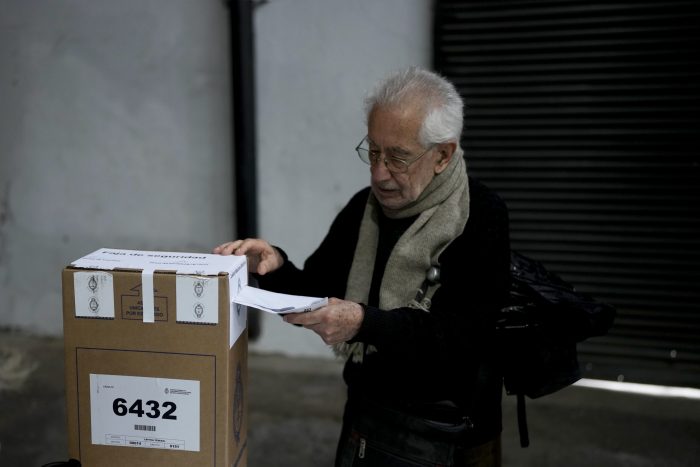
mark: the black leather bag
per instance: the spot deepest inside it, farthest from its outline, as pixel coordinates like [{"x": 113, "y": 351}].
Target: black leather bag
[
  {"x": 378, "y": 435},
  {"x": 538, "y": 331},
  {"x": 68, "y": 463}
]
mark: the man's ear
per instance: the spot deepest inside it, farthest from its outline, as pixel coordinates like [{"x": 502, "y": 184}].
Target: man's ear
[{"x": 445, "y": 153}]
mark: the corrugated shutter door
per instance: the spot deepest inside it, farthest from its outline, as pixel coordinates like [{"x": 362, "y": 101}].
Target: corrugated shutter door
[{"x": 584, "y": 117}]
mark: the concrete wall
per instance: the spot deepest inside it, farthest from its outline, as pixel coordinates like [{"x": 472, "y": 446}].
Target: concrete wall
[
  {"x": 114, "y": 131},
  {"x": 316, "y": 59}
]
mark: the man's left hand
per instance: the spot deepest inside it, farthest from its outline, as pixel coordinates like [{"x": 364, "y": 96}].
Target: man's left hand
[{"x": 337, "y": 322}]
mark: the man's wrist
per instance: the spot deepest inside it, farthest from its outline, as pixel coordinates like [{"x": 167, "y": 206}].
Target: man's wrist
[{"x": 359, "y": 319}]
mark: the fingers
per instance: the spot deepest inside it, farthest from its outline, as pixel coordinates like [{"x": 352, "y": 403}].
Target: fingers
[
  {"x": 338, "y": 322},
  {"x": 263, "y": 258},
  {"x": 304, "y": 319},
  {"x": 269, "y": 257},
  {"x": 227, "y": 248},
  {"x": 239, "y": 247},
  {"x": 263, "y": 267}
]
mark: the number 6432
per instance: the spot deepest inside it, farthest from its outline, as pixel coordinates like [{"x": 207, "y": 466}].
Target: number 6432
[{"x": 153, "y": 409}]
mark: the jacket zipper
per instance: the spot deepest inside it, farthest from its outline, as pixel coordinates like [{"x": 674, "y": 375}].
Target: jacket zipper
[{"x": 363, "y": 444}]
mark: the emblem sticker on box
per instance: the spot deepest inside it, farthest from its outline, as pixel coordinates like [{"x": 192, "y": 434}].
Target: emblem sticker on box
[
  {"x": 135, "y": 411},
  {"x": 197, "y": 299},
  {"x": 94, "y": 294}
]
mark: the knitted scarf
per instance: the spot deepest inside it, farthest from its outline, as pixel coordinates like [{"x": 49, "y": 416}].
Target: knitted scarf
[{"x": 442, "y": 210}]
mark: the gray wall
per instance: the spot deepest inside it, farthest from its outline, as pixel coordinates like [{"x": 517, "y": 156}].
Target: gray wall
[
  {"x": 316, "y": 60},
  {"x": 115, "y": 131}
]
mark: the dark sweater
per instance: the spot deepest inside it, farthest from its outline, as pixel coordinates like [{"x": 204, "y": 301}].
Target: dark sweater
[{"x": 423, "y": 357}]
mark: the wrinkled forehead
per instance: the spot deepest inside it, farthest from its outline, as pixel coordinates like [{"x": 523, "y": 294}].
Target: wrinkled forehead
[{"x": 395, "y": 126}]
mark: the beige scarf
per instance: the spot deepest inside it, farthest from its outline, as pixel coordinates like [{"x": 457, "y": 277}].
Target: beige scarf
[{"x": 443, "y": 210}]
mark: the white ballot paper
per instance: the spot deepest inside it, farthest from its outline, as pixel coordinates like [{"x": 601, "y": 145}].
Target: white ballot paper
[{"x": 277, "y": 303}]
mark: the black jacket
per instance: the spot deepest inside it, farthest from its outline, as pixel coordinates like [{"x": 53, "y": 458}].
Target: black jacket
[{"x": 424, "y": 357}]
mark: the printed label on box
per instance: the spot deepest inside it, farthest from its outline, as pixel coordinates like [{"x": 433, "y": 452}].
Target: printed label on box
[
  {"x": 94, "y": 294},
  {"x": 197, "y": 299},
  {"x": 135, "y": 411},
  {"x": 132, "y": 305}
]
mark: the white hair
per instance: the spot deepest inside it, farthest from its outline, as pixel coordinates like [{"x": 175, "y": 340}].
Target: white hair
[{"x": 442, "y": 104}]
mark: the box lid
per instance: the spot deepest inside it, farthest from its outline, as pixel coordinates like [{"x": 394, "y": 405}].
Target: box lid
[{"x": 181, "y": 263}]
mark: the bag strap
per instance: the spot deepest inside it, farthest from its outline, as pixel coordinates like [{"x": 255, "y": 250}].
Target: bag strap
[
  {"x": 522, "y": 421},
  {"x": 69, "y": 463}
]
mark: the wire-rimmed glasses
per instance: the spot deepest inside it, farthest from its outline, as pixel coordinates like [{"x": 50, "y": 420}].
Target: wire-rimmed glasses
[{"x": 394, "y": 163}]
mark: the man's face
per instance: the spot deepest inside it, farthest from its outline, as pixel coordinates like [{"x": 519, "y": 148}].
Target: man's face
[{"x": 395, "y": 131}]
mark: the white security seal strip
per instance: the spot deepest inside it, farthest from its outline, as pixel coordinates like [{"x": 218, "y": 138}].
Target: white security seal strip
[{"x": 149, "y": 313}]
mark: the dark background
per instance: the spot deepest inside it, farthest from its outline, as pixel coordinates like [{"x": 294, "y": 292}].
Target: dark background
[{"x": 584, "y": 117}]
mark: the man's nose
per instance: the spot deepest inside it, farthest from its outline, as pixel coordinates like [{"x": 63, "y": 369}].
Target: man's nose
[{"x": 379, "y": 170}]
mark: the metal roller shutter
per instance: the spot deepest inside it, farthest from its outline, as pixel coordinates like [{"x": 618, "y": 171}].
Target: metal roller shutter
[{"x": 584, "y": 116}]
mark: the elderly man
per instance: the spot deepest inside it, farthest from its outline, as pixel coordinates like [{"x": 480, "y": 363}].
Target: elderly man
[{"x": 415, "y": 265}]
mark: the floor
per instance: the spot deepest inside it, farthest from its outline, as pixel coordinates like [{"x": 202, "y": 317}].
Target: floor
[{"x": 295, "y": 406}]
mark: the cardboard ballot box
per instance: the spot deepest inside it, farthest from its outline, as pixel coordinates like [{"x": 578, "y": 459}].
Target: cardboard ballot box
[{"x": 156, "y": 359}]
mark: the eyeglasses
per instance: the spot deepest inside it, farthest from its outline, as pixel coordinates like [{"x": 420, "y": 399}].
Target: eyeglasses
[{"x": 393, "y": 162}]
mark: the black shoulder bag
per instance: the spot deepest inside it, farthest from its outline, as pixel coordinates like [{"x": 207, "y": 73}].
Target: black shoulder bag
[{"x": 538, "y": 331}]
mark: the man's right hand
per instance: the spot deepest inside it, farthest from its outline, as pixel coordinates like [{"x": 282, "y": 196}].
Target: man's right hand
[{"x": 262, "y": 257}]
